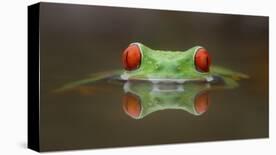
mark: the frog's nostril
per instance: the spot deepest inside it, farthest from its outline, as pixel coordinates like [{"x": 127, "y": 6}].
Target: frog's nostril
[
  {"x": 131, "y": 57},
  {"x": 202, "y": 102},
  {"x": 132, "y": 105}
]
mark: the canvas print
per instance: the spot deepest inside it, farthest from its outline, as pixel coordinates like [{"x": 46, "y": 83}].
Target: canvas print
[{"x": 113, "y": 77}]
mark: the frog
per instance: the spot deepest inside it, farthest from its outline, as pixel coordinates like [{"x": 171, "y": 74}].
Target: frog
[{"x": 142, "y": 63}]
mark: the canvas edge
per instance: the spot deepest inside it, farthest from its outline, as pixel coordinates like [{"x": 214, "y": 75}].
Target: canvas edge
[{"x": 33, "y": 77}]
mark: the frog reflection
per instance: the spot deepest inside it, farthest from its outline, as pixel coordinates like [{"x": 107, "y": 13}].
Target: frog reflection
[{"x": 142, "y": 98}]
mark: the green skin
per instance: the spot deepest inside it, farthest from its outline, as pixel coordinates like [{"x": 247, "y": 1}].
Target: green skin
[
  {"x": 158, "y": 97},
  {"x": 165, "y": 67}
]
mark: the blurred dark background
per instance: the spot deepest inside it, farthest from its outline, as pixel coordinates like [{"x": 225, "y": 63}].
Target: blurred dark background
[{"x": 77, "y": 40}]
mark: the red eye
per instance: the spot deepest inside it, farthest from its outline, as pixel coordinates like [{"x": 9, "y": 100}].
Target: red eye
[
  {"x": 202, "y": 102},
  {"x": 131, "y": 57},
  {"x": 132, "y": 105},
  {"x": 202, "y": 60}
]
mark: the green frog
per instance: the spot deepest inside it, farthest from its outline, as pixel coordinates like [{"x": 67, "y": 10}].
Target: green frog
[{"x": 142, "y": 63}]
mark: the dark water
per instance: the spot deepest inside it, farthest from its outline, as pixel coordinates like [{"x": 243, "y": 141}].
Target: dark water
[{"x": 80, "y": 40}]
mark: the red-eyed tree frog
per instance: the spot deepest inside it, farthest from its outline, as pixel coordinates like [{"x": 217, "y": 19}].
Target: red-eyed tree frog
[{"x": 142, "y": 63}]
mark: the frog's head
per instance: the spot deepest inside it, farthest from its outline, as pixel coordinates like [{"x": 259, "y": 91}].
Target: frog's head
[{"x": 141, "y": 62}]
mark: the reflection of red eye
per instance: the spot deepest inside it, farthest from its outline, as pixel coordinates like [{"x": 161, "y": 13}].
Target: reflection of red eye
[
  {"x": 132, "y": 105},
  {"x": 131, "y": 57},
  {"x": 202, "y": 102},
  {"x": 202, "y": 60}
]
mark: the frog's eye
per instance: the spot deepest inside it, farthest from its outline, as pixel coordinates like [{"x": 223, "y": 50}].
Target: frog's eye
[
  {"x": 202, "y": 102},
  {"x": 131, "y": 57},
  {"x": 202, "y": 60},
  {"x": 132, "y": 105}
]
